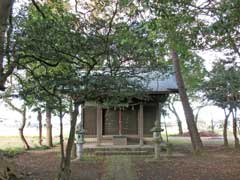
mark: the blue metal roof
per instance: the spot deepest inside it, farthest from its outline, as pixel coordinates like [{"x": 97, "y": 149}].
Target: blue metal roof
[{"x": 156, "y": 81}]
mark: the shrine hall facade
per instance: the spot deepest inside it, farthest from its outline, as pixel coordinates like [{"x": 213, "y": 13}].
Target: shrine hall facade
[{"x": 136, "y": 120}]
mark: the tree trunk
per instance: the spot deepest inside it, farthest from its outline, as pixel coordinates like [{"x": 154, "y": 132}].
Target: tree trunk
[
  {"x": 212, "y": 126},
  {"x": 65, "y": 172},
  {"x": 5, "y": 9},
  {"x": 235, "y": 129},
  {"x": 61, "y": 135},
  {"x": 21, "y": 129},
  {"x": 225, "y": 125},
  {"x": 39, "y": 117},
  {"x": 180, "y": 130},
  {"x": 193, "y": 131},
  {"x": 179, "y": 122},
  {"x": 196, "y": 116},
  {"x": 49, "y": 126}
]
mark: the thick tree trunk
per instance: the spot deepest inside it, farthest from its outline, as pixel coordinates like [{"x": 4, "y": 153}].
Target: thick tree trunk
[
  {"x": 225, "y": 139},
  {"x": 49, "y": 126},
  {"x": 195, "y": 137},
  {"x": 21, "y": 129},
  {"x": 39, "y": 117},
  {"x": 65, "y": 172},
  {"x": 5, "y": 9},
  {"x": 235, "y": 129}
]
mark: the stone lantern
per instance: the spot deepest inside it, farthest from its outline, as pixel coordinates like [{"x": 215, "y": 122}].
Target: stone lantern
[
  {"x": 80, "y": 133},
  {"x": 157, "y": 139}
]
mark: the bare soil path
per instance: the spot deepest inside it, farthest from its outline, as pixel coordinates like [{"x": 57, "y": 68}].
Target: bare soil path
[{"x": 120, "y": 167}]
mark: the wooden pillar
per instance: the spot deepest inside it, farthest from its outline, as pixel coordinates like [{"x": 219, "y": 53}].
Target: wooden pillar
[
  {"x": 158, "y": 113},
  {"x": 158, "y": 116},
  {"x": 99, "y": 125},
  {"x": 140, "y": 124},
  {"x": 120, "y": 122}
]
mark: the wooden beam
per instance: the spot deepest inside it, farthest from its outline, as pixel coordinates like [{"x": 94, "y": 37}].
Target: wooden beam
[
  {"x": 140, "y": 124},
  {"x": 99, "y": 125}
]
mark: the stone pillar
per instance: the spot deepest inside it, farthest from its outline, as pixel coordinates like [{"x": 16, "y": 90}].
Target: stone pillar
[
  {"x": 140, "y": 124},
  {"x": 157, "y": 150},
  {"x": 156, "y": 139},
  {"x": 99, "y": 125},
  {"x": 79, "y": 150}
]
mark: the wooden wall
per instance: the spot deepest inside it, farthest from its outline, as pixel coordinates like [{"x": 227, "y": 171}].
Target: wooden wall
[
  {"x": 149, "y": 117},
  {"x": 129, "y": 118},
  {"x": 90, "y": 120}
]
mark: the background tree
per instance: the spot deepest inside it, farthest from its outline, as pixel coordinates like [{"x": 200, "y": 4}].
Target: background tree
[
  {"x": 22, "y": 110},
  {"x": 172, "y": 108},
  {"x": 223, "y": 89},
  {"x": 176, "y": 25}
]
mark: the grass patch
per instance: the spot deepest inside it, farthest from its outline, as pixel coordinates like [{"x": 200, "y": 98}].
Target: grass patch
[
  {"x": 56, "y": 143},
  {"x": 43, "y": 147},
  {"x": 11, "y": 152},
  {"x": 13, "y": 142}
]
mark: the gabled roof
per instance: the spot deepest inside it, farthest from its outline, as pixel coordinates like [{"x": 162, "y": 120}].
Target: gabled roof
[
  {"x": 152, "y": 81},
  {"x": 157, "y": 82}
]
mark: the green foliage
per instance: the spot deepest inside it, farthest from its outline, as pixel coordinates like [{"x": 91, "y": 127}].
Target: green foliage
[
  {"x": 70, "y": 55},
  {"x": 223, "y": 85},
  {"x": 223, "y": 32},
  {"x": 175, "y": 25}
]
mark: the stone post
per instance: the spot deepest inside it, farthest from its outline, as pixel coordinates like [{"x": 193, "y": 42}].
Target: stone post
[
  {"x": 80, "y": 132},
  {"x": 156, "y": 130}
]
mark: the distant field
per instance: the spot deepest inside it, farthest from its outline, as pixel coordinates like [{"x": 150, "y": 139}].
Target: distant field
[{"x": 7, "y": 142}]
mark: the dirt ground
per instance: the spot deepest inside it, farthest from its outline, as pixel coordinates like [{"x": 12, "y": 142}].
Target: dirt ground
[
  {"x": 215, "y": 164},
  {"x": 43, "y": 165}
]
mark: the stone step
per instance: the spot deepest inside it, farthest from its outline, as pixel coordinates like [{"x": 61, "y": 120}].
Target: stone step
[
  {"x": 109, "y": 153},
  {"x": 122, "y": 149}
]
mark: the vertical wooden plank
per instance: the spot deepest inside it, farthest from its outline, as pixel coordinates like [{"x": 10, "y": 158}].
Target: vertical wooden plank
[
  {"x": 140, "y": 124},
  {"x": 120, "y": 122},
  {"x": 158, "y": 116},
  {"x": 99, "y": 125}
]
